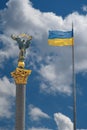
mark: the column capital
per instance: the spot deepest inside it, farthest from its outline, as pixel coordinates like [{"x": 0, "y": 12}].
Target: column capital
[{"x": 20, "y": 75}]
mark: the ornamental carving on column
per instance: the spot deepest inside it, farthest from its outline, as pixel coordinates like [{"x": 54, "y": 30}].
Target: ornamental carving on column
[{"x": 20, "y": 75}]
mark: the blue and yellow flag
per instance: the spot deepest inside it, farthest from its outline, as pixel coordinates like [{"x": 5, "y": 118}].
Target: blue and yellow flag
[{"x": 60, "y": 38}]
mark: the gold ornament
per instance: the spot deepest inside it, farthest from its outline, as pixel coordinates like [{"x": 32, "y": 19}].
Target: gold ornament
[{"x": 20, "y": 75}]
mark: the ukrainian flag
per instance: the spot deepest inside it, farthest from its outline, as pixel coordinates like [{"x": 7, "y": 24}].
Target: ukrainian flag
[{"x": 60, "y": 38}]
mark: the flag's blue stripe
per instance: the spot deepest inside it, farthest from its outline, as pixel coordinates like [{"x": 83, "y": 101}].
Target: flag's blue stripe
[{"x": 60, "y": 34}]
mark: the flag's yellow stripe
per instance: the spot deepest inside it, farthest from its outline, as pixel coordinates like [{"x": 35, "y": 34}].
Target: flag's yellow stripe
[{"x": 60, "y": 42}]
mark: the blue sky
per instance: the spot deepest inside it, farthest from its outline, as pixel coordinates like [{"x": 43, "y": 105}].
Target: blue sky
[
  {"x": 62, "y": 8},
  {"x": 49, "y": 101}
]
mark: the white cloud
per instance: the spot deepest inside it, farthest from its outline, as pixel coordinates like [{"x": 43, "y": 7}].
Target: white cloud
[
  {"x": 7, "y": 90},
  {"x": 57, "y": 68},
  {"x": 39, "y": 128},
  {"x": 5, "y": 108},
  {"x": 81, "y": 129},
  {"x": 6, "y": 87},
  {"x": 63, "y": 122},
  {"x": 36, "y": 113},
  {"x": 9, "y": 50},
  {"x": 84, "y": 8},
  {"x": 48, "y": 72},
  {"x": 57, "y": 82}
]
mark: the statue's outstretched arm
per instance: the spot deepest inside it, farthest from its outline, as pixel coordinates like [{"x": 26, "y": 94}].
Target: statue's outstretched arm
[
  {"x": 16, "y": 38},
  {"x": 13, "y": 37},
  {"x": 29, "y": 37},
  {"x": 19, "y": 42}
]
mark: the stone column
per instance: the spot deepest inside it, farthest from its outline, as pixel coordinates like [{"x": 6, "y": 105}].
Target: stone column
[{"x": 20, "y": 76}]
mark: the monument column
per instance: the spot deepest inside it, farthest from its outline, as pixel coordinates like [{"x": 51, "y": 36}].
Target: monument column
[{"x": 20, "y": 76}]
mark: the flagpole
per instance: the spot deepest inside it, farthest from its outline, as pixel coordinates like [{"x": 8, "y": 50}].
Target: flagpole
[
  {"x": 57, "y": 35},
  {"x": 74, "y": 87}
]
